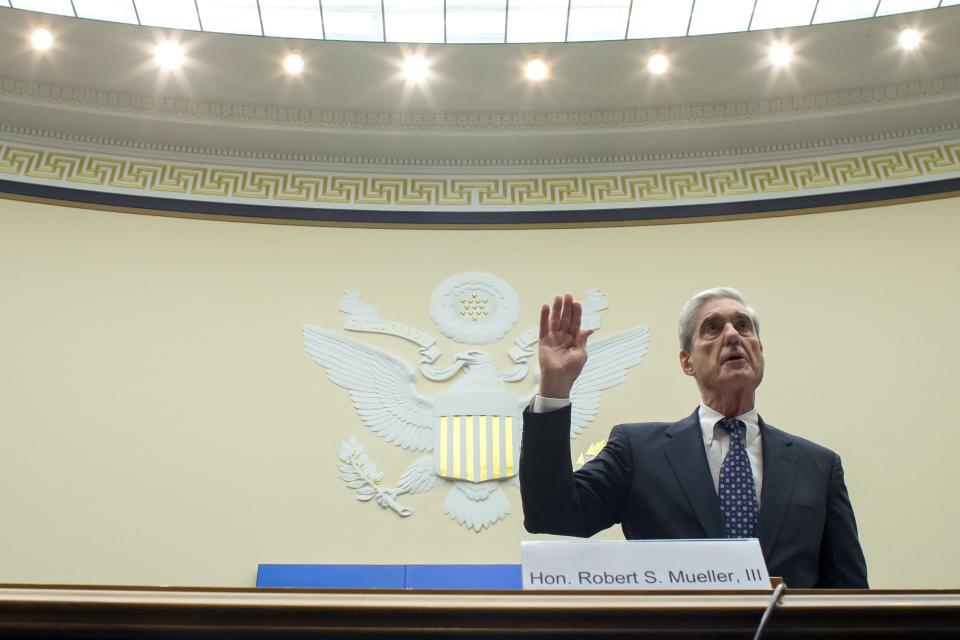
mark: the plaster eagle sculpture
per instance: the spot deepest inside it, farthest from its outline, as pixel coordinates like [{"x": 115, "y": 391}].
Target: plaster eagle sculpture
[{"x": 473, "y": 429}]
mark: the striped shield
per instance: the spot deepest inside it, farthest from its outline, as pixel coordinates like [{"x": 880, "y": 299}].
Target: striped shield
[{"x": 477, "y": 435}]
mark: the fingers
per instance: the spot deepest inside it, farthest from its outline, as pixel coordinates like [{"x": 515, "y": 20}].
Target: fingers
[
  {"x": 566, "y": 315},
  {"x": 555, "y": 313},
  {"x": 575, "y": 318},
  {"x": 562, "y": 317}
]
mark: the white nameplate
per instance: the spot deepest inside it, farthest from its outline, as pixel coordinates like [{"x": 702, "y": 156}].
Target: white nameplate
[{"x": 633, "y": 565}]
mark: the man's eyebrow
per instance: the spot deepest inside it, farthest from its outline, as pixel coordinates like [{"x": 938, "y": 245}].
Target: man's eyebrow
[
  {"x": 713, "y": 315},
  {"x": 737, "y": 315}
]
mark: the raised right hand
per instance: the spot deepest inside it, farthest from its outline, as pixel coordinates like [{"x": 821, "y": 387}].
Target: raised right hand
[{"x": 563, "y": 346}]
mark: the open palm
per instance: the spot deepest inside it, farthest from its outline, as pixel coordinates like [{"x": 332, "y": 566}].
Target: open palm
[{"x": 563, "y": 346}]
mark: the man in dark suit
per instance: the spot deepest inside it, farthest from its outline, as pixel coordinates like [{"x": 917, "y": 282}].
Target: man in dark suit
[{"x": 721, "y": 472}]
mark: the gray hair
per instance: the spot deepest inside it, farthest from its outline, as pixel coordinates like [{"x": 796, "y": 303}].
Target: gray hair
[{"x": 688, "y": 316}]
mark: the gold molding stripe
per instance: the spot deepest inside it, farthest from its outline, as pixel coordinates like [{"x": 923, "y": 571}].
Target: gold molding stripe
[{"x": 263, "y": 186}]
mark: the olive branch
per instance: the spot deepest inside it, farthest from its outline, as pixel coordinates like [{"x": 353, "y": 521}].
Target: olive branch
[{"x": 359, "y": 472}]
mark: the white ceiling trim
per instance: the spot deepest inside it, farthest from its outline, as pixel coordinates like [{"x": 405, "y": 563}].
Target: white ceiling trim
[
  {"x": 432, "y": 121},
  {"x": 801, "y": 150}
]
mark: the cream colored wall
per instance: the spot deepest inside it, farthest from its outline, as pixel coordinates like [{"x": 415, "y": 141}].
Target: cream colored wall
[{"x": 160, "y": 422}]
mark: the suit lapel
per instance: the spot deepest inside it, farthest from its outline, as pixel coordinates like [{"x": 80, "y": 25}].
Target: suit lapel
[
  {"x": 684, "y": 450},
  {"x": 779, "y": 473}
]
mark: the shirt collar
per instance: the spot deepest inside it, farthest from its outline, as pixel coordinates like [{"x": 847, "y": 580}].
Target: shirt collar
[{"x": 709, "y": 419}]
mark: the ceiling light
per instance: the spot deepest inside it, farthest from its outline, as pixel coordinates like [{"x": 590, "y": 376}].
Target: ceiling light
[
  {"x": 658, "y": 63},
  {"x": 909, "y": 39},
  {"x": 781, "y": 54},
  {"x": 415, "y": 69},
  {"x": 536, "y": 70},
  {"x": 169, "y": 55},
  {"x": 293, "y": 64},
  {"x": 41, "y": 39}
]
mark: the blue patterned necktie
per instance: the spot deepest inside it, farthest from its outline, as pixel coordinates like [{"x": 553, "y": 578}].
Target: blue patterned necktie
[{"x": 738, "y": 495}]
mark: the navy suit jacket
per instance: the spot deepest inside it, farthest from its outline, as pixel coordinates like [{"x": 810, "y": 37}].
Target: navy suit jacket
[{"x": 654, "y": 479}]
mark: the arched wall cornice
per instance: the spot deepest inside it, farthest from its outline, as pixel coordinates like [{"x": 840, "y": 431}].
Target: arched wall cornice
[{"x": 235, "y": 191}]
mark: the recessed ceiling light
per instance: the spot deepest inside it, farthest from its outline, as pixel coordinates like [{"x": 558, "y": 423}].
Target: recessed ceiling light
[
  {"x": 781, "y": 54},
  {"x": 41, "y": 39},
  {"x": 658, "y": 64},
  {"x": 169, "y": 55},
  {"x": 909, "y": 39},
  {"x": 415, "y": 68},
  {"x": 293, "y": 64},
  {"x": 536, "y": 70}
]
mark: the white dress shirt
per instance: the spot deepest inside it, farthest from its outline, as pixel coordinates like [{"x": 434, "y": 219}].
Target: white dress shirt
[{"x": 716, "y": 440}]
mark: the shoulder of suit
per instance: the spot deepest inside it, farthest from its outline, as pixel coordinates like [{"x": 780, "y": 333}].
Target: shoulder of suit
[
  {"x": 640, "y": 431},
  {"x": 801, "y": 444}
]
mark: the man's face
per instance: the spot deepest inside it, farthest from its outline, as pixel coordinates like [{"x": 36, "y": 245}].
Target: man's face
[{"x": 726, "y": 354}]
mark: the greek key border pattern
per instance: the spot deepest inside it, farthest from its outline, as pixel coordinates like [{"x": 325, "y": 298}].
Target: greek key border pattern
[{"x": 263, "y": 186}]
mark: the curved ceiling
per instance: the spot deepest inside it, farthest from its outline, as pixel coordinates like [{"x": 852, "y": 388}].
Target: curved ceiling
[
  {"x": 849, "y": 81},
  {"x": 852, "y": 111}
]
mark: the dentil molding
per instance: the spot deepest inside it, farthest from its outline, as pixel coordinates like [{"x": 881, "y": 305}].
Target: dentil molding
[
  {"x": 820, "y": 147},
  {"x": 589, "y": 119}
]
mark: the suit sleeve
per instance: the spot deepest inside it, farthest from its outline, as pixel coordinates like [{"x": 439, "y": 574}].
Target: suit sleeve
[
  {"x": 842, "y": 565},
  {"x": 555, "y": 498}
]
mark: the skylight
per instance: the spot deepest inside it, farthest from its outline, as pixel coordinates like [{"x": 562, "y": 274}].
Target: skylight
[{"x": 475, "y": 21}]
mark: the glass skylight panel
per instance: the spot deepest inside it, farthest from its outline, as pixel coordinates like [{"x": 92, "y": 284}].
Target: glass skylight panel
[
  {"x": 598, "y": 19},
  {"x": 60, "y": 7},
  {"x": 230, "y": 16},
  {"x": 837, "y": 10},
  {"x": 773, "y": 14},
  {"x": 112, "y": 10},
  {"x": 175, "y": 14},
  {"x": 413, "y": 20},
  {"x": 537, "y": 21},
  {"x": 720, "y": 16},
  {"x": 292, "y": 18},
  {"x": 659, "y": 19},
  {"x": 353, "y": 20},
  {"x": 476, "y": 20},
  {"x": 889, "y": 7}
]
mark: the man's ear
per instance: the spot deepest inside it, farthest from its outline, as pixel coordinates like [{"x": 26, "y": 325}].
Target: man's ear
[{"x": 685, "y": 363}]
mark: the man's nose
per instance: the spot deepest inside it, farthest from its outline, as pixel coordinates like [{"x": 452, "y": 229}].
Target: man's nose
[{"x": 730, "y": 335}]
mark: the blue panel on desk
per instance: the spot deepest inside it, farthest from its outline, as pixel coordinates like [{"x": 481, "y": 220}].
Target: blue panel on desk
[
  {"x": 464, "y": 576},
  {"x": 390, "y": 576},
  {"x": 331, "y": 576}
]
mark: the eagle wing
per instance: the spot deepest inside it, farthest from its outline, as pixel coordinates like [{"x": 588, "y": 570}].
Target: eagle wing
[
  {"x": 607, "y": 363},
  {"x": 380, "y": 385}
]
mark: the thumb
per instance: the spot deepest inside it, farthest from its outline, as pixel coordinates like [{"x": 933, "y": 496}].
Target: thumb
[{"x": 582, "y": 338}]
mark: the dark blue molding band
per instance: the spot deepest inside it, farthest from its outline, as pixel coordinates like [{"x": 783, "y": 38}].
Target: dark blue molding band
[{"x": 516, "y": 217}]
